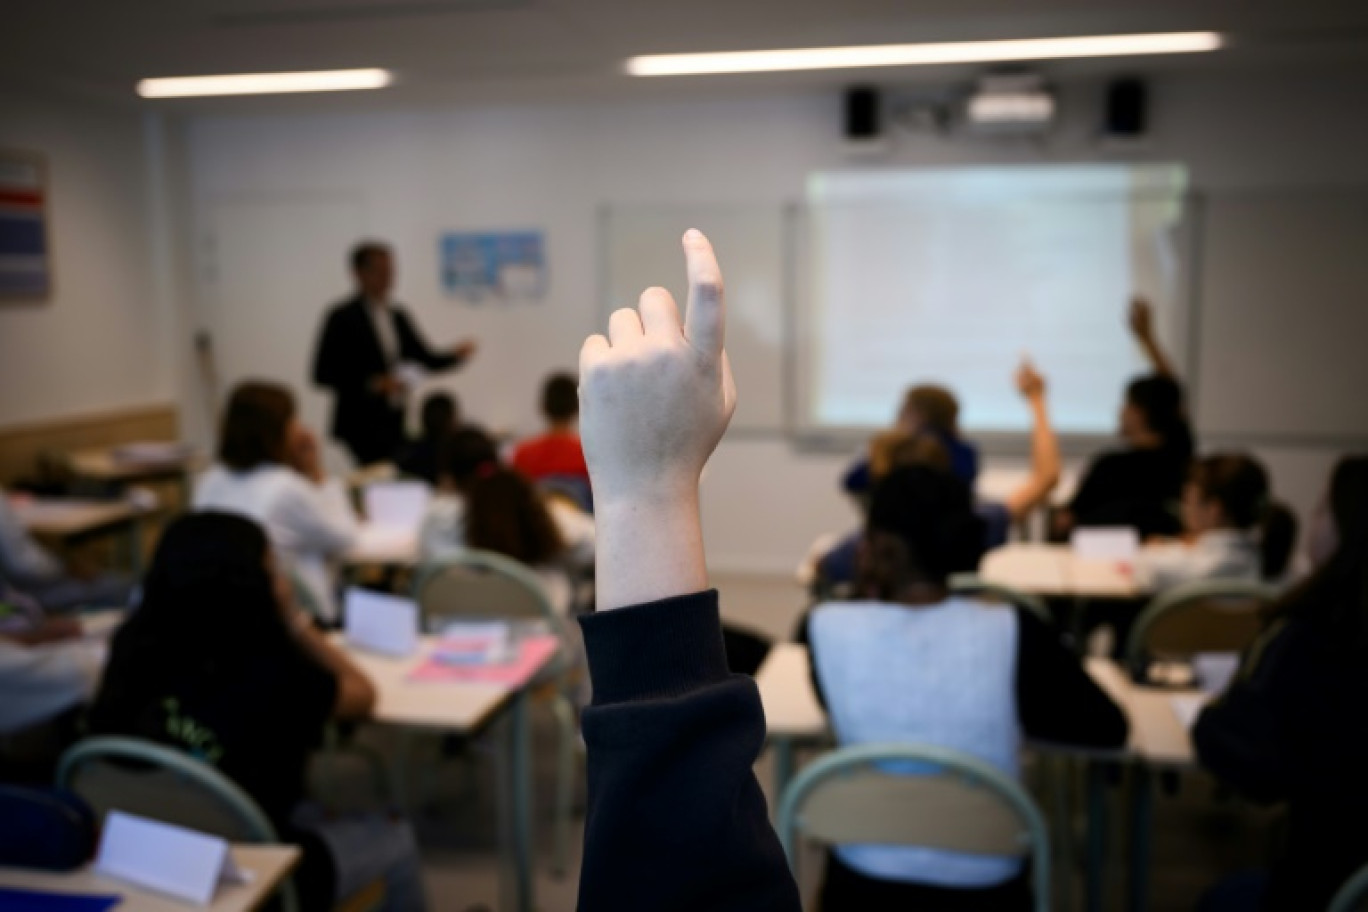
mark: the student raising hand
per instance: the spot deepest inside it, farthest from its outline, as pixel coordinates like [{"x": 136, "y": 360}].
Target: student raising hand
[
  {"x": 656, "y": 396},
  {"x": 676, "y": 820}
]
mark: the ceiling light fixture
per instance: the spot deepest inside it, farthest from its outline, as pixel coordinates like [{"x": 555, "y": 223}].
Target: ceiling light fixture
[
  {"x": 877, "y": 55},
  {"x": 265, "y": 83}
]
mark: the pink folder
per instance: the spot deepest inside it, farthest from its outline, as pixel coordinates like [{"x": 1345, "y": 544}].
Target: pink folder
[{"x": 533, "y": 653}]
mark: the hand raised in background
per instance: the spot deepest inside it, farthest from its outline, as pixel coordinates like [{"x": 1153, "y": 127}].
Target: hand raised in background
[
  {"x": 1029, "y": 381},
  {"x": 657, "y": 393},
  {"x": 1141, "y": 318}
]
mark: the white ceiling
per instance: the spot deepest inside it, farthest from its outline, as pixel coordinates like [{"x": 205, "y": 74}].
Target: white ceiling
[{"x": 560, "y": 48}]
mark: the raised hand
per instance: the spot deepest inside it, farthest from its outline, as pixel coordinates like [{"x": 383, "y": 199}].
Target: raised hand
[
  {"x": 657, "y": 394},
  {"x": 1029, "y": 381},
  {"x": 1141, "y": 318}
]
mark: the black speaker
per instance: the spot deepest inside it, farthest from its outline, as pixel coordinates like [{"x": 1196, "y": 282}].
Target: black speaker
[
  {"x": 1126, "y": 102},
  {"x": 862, "y": 113}
]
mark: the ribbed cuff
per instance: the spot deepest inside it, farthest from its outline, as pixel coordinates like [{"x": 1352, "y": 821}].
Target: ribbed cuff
[{"x": 659, "y": 649}]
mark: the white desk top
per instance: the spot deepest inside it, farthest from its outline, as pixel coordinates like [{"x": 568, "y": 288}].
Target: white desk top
[
  {"x": 1055, "y": 570},
  {"x": 1157, "y": 735},
  {"x": 383, "y": 547},
  {"x": 60, "y": 517},
  {"x": 453, "y": 706},
  {"x": 268, "y": 864}
]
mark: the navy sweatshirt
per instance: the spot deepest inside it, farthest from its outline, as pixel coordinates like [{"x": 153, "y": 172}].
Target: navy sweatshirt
[{"x": 676, "y": 818}]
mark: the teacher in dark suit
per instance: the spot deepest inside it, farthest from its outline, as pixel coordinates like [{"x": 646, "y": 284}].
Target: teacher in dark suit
[{"x": 369, "y": 354}]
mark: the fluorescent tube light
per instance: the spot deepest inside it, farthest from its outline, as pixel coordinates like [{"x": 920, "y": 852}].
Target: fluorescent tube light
[
  {"x": 265, "y": 83},
  {"x": 835, "y": 58}
]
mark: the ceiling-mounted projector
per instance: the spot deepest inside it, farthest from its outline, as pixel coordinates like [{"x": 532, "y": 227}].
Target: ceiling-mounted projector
[{"x": 1010, "y": 103}]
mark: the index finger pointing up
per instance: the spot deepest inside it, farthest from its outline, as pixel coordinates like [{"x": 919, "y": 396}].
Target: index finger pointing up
[{"x": 705, "y": 319}]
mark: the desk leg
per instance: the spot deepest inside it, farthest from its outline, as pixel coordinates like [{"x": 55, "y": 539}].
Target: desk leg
[
  {"x": 1096, "y": 875},
  {"x": 783, "y": 768},
  {"x": 515, "y": 808},
  {"x": 1142, "y": 825}
]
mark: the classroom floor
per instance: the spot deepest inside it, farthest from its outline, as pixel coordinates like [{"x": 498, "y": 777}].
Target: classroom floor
[{"x": 1198, "y": 836}]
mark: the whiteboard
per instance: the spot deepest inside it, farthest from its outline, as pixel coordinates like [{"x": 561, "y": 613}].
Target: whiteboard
[
  {"x": 1283, "y": 334},
  {"x": 641, "y": 248}
]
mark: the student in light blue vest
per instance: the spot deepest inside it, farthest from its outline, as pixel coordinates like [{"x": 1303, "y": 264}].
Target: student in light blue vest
[{"x": 909, "y": 662}]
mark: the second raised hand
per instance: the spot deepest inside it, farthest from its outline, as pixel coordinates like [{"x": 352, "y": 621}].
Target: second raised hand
[{"x": 657, "y": 393}]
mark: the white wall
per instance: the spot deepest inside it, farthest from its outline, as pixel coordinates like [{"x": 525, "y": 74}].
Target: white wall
[
  {"x": 411, "y": 174},
  {"x": 99, "y": 342}
]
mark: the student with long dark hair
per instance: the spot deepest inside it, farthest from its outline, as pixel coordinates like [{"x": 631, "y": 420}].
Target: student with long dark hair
[
  {"x": 1291, "y": 727},
  {"x": 1139, "y": 484},
  {"x": 483, "y": 504},
  {"x": 907, "y": 661},
  {"x": 1232, "y": 529},
  {"x": 218, "y": 662},
  {"x": 269, "y": 469}
]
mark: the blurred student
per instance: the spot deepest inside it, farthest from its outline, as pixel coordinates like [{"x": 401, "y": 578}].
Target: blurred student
[
  {"x": 1139, "y": 484},
  {"x": 423, "y": 457},
  {"x": 483, "y": 505},
  {"x": 58, "y": 587},
  {"x": 269, "y": 469},
  {"x": 218, "y": 662},
  {"x": 908, "y": 662},
  {"x": 556, "y": 454},
  {"x": 932, "y": 410},
  {"x": 1290, "y": 728},
  {"x": 896, "y": 448},
  {"x": 1231, "y": 528}
]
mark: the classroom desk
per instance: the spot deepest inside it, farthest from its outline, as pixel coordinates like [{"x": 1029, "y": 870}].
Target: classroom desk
[
  {"x": 464, "y": 708},
  {"x": 1158, "y": 740},
  {"x": 269, "y": 864},
  {"x": 1054, "y": 570},
  {"x": 69, "y": 518}
]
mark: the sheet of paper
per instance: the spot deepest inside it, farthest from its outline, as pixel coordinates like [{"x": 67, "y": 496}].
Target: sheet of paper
[
  {"x": 1187, "y": 707},
  {"x": 397, "y": 505},
  {"x": 1112, "y": 543},
  {"x": 168, "y": 859},
  {"x": 381, "y": 623}
]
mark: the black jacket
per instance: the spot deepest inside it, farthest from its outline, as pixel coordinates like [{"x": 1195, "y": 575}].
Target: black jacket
[
  {"x": 347, "y": 361},
  {"x": 676, "y": 819},
  {"x": 1290, "y": 729}
]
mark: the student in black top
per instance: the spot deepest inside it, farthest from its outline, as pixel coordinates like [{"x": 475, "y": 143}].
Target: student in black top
[
  {"x": 1291, "y": 726},
  {"x": 1139, "y": 484},
  {"x": 217, "y": 662},
  {"x": 676, "y": 819},
  {"x": 425, "y": 457}
]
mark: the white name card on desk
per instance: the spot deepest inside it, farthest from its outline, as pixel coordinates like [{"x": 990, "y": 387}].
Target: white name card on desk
[
  {"x": 381, "y": 623},
  {"x": 398, "y": 505},
  {"x": 1110, "y": 543},
  {"x": 168, "y": 859}
]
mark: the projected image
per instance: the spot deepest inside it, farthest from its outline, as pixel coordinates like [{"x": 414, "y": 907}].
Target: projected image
[{"x": 950, "y": 275}]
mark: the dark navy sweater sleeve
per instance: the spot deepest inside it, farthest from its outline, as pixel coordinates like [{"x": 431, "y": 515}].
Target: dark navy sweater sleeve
[{"x": 676, "y": 818}]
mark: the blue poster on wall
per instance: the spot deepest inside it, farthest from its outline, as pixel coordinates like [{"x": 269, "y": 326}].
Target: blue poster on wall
[{"x": 498, "y": 267}]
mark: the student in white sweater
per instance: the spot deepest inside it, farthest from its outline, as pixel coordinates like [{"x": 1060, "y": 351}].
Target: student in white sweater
[
  {"x": 483, "y": 504},
  {"x": 269, "y": 469},
  {"x": 1232, "y": 530}
]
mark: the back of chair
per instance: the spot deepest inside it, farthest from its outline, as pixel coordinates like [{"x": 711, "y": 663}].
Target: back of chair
[
  {"x": 952, "y": 802},
  {"x": 972, "y": 584},
  {"x": 152, "y": 780},
  {"x": 1353, "y": 896},
  {"x": 1201, "y": 616},
  {"x": 480, "y": 585}
]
